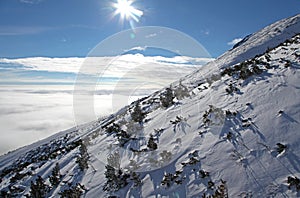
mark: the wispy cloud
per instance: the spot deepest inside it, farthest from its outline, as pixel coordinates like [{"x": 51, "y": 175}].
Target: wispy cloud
[
  {"x": 31, "y": 1},
  {"x": 23, "y": 30},
  {"x": 205, "y": 32},
  {"x": 234, "y": 41}
]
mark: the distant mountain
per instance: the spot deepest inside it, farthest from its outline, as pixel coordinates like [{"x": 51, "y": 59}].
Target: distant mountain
[{"x": 230, "y": 129}]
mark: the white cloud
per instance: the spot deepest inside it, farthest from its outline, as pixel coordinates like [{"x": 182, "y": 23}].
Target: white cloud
[
  {"x": 234, "y": 41},
  {"x": 113, "y": 66},
  {"x": 48, "y": 64},
  {"x": 138, "y": 48}
]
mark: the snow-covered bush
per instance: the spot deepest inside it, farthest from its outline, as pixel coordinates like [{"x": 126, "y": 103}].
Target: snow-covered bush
[
  {"x": 114, "y": 128},
  {"x": 280, "y": 148},
  {"x": 73, "y": 191},
  {"x": 293, "y": 182}
]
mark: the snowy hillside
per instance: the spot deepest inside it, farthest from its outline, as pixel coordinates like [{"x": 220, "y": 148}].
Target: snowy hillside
[{"x": 230, "y": 129}]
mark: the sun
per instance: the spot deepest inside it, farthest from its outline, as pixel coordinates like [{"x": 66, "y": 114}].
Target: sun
[{"x": 127, "y": 11}]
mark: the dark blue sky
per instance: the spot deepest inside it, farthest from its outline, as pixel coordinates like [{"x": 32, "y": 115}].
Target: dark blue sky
[{"x": 64, "y": 28}]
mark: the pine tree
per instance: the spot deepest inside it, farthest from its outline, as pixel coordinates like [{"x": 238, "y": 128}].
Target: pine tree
[
  {"x": 151, "y": 144},
  {"x": 137, "y": 115},
  {"x": 83, "y": 157},
  {"x": 38, "y": 189},
  {"x": 55, "y": 176},
  {"x": 166, "y": 98},
  {"x": 110, "y": 178}
]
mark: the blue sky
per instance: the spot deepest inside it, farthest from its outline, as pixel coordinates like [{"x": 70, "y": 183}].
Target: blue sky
[{"x": 64, "y": 28}]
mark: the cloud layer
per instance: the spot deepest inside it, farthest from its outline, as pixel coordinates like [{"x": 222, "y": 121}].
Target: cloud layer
[{"x": 36, "y": 94}]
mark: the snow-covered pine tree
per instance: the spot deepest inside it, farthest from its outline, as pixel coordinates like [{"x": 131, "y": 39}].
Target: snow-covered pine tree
[
  {"x": 83, "y": 157},
  {"x": 137, "y": 114},
  {"x": 110, "y": 178},
  {"x": 166, "y": 98},
  {"x": 151, "y": 144},
  {"x": 55, "y": 176}
]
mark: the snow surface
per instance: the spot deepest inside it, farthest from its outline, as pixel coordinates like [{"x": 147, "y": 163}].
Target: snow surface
[{"x": 228, "y": 126}]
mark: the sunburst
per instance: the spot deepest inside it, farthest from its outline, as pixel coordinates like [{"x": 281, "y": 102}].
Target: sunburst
[{"x": 127, "y": 11}]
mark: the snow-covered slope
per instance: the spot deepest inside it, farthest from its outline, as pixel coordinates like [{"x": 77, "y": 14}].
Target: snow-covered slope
[{"x": 228, "y": 129}]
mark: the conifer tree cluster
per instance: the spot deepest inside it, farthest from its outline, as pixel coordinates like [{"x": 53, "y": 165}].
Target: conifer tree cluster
[
  {"x": 115, "y": 179},
  {"x": 122, "y": 136},
  {"x": 39, "y": 189}
]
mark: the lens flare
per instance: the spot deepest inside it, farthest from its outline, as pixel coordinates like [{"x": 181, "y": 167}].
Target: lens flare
[{"x": 127, "y": 11}]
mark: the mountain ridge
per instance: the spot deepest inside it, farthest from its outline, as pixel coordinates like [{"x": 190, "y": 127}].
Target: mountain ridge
[{"x": 221, "y": 124}]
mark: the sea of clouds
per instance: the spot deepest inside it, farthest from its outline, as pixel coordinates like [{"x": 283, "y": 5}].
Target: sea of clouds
[{"x": 36, "y": 93}]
